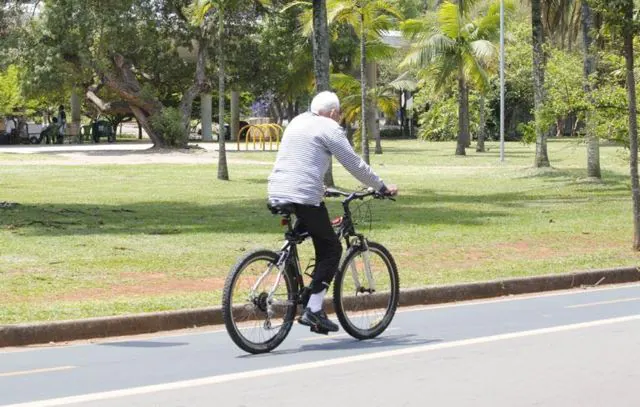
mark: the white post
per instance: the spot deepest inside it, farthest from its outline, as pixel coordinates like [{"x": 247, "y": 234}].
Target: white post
[
  {"x": 205, "y": 118},
  {"x": 501, "y": 80}
]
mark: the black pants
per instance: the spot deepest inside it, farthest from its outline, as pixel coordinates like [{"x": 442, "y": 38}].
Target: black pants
[{"x": 315, "y": 220}]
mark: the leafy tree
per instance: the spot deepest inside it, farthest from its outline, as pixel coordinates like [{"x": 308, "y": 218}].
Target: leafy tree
[
  {"x": 284, "y": 62},
  {"x": 128, "y": 46},
  {"x": 619, "y": 17},
  {"x": 564, "y": 91},
  {"x": 10, "y": 95},
  {"x": 453, "y": 45}
]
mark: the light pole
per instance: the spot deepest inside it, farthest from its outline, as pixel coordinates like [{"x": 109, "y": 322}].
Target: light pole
[{"x": 501, "y": 80}]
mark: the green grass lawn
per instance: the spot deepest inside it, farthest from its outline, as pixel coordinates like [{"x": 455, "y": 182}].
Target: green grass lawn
[{"x": 106, "y": 240}]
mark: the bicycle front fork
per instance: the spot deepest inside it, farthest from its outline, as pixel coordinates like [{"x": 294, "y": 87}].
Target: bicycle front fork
[{"x": 366, "y": 263}]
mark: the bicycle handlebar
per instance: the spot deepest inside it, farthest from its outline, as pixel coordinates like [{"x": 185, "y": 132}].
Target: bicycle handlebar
[{"x": 334, "y": 193}]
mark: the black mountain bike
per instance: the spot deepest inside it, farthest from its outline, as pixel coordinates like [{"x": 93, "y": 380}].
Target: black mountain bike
[{"x": 264, "y": 289}]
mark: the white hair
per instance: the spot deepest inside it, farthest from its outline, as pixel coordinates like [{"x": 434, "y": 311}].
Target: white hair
[{"x": 324, "y": 102}]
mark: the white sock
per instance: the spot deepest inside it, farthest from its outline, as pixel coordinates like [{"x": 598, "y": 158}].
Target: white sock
[{"x": 315, "y": 301}]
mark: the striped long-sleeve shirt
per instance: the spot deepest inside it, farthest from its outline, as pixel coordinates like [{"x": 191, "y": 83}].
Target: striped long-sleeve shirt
[{"x": 305, "y": 153}]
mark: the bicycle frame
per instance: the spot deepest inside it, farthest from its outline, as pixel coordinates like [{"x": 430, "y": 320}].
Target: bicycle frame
[{"x": 345, "y": 230}]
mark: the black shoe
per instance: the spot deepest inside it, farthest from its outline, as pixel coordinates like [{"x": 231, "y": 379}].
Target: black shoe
[{"x": 317, "y": 320}]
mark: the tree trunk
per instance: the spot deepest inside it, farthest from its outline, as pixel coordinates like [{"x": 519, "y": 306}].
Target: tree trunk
[
  {"x": 633, "y": 122},
  {"x": 124, "y": 82},
  {"x": 277, "y": 109},
  {"x": 235, "y": 114},
  {"x": 463, "y": 113},
  {"x": 349, "y": 131},
  {"x": 483, "y": 123},
  {"x": 320, "y": 42},
  {"x": 205, "y": 116},
  {"x": 372, "y": 113},
  {"x": 199, "y": 86},
  {"x": 363, "y": 91},
  {"x": 143, "y": 120},
  {"x": 223, "y": 171},
  {"x": 289, "y": 110},
  {"x": 74, "y": 129},
  {"x": 539, "y": 62},
  {"x": 593, "y": 143}
]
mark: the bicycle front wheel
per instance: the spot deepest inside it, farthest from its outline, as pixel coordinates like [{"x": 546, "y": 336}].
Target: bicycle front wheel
[
  {"x": 258, "y": 302},
  {"x": 366, "y": 291}
]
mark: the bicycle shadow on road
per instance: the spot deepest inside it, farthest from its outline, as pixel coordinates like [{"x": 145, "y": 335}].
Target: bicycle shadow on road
[
  {"x": 342, "y": 343},
  {"x": 349, "y": 343}
]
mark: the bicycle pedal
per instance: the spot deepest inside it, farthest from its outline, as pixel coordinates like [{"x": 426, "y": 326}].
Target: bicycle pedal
[{"x": 319, "y": 330}]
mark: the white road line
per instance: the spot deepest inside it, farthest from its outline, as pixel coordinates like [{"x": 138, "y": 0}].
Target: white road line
[
  {"x": 33, "y": 371},
  {"x": 593, "y": 304},
  {"x": 315, "y": 365}
]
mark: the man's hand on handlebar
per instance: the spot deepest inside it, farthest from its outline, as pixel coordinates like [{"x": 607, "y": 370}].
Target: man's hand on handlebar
[{"x": 392, "y": 190}]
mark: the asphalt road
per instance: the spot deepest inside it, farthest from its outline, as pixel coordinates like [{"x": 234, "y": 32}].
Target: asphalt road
[{"x": 572, "y": 348}]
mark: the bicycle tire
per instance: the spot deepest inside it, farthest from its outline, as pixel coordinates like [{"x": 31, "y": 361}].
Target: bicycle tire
[
  {"x": 390, "y": 298},
  {"x": 228, "y": 309}
]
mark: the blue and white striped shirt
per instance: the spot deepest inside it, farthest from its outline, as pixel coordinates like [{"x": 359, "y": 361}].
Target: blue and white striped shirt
[{"x": 307, "y": 145}]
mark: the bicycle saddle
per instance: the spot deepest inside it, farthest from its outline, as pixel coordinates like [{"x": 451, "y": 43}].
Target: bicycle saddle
[{"x": 280, "y": 208}]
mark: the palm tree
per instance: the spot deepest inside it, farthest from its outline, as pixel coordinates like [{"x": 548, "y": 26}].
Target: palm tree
[
  {"x": 561, "y": 19},
  {"x": 455, "y": 46},
  {"x": 593, "y": 144},
  {"x": 321, "y": 61},
  {"x": 348, "y": 88},
  {"x": 321, "y": 45},
  {"x": 368, "y": 18},
  {"x": 539, "y": 63},
  {"x": 202, "y": 7}
]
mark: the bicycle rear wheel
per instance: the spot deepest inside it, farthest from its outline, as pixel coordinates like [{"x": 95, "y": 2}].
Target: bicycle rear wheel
[
  {"x": 366, "y": 305},
  {"x": 258, "y": 302}
]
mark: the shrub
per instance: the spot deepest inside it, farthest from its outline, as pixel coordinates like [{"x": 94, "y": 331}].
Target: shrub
[{"x": 168, "y": 123}]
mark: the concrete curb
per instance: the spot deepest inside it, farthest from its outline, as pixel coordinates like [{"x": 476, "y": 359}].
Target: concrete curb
[{"x": 29, "y": 334}]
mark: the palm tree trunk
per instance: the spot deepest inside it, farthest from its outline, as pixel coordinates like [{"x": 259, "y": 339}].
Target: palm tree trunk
[
  {"x": 593, "y": 143},
  {"x": 223, "y": 171},
  {"x": 320, "y": 41},
  {"x": 463, "y": 112},
  {"x": 483, "y": 123},
  {"x": 542, "y": 159},
  {"x": 363, "y": 91},
  {"x": 372, "y": 112},
  {"x": 633, "y": 122}
]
